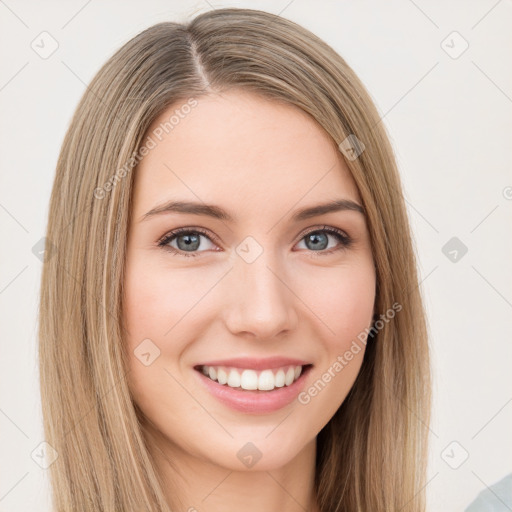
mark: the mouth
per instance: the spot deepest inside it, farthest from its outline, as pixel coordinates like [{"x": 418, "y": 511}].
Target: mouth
[
  {"x": 254, "y": 391},
  {"x": 248, "y": 379}
]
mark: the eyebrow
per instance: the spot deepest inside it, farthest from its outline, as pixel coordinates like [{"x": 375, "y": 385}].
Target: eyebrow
[{"x": 217, "y": 212}]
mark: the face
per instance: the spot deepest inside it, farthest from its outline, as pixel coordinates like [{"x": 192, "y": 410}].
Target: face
[{"x": 258, "y": 295}]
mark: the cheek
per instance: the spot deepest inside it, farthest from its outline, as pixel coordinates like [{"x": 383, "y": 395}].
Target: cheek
[
  {"x": 155, "y": 303},
  {"x": 342, "y": 299},
  {"x": 351, "y": 309},
  {"x": 160, "y": 306}
]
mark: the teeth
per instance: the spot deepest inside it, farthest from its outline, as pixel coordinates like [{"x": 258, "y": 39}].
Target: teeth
[
  {"x": 249, "y": 380},
  {"x": 265, "y": 380},
  {"x": 233, "y": 379},
  {"x": 222, "y": 376},
  {"x": 280, "y": 378},
  {"x": 290, "y": 374}
]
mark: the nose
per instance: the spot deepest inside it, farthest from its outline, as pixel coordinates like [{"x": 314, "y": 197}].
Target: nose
[{"x": 259, "y": 299}]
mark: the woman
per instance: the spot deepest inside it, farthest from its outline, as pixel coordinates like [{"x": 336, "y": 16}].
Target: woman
[{"x": 232, "y": 315}]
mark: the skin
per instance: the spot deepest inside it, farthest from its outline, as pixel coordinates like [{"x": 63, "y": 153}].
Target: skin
[{"x": 261, "y": 161}]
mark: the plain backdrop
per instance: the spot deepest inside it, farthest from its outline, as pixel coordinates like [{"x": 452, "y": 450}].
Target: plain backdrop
[{"x": 440, "y": 75}]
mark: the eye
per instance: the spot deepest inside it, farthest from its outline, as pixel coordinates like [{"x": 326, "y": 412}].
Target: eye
[
  {"x": 187, "y": 240},
  {"x": 318, "y": 240}
]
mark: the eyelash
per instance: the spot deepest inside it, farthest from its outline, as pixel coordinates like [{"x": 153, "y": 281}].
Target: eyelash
[{"x": 344, "y": 240}]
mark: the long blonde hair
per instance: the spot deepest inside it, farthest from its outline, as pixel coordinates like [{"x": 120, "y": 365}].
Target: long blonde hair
[{"x": 372, "y": 454}]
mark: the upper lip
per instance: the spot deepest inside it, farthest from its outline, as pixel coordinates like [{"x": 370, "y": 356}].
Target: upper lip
[{"x": 254, "y": 363}]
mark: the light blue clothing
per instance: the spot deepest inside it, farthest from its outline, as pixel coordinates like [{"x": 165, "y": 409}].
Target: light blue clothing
[{"x": 496, "y": 498}]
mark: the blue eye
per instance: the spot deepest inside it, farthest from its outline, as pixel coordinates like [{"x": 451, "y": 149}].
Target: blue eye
[
  {"x": 189, "y": 240},
  {"x": 318, "y": 240}
]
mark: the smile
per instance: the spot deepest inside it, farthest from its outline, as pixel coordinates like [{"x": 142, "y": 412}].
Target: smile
[
  {"x": 265, "y": 388},
  {"x": 248, "y": 379}
]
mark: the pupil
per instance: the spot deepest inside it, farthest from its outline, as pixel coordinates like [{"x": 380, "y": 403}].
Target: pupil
[
  {"x": 190, "y": 241},
  {"x": 314, "y": 238}
]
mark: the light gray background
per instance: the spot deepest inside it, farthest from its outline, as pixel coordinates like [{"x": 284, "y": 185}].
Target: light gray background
[{"x": 450, "y": 123}]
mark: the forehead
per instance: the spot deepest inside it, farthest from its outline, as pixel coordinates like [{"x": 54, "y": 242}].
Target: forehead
[{"x": 238, "y": 149}]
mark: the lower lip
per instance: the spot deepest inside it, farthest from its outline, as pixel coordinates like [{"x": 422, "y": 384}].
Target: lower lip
[{"x": 258, "y": 402}]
